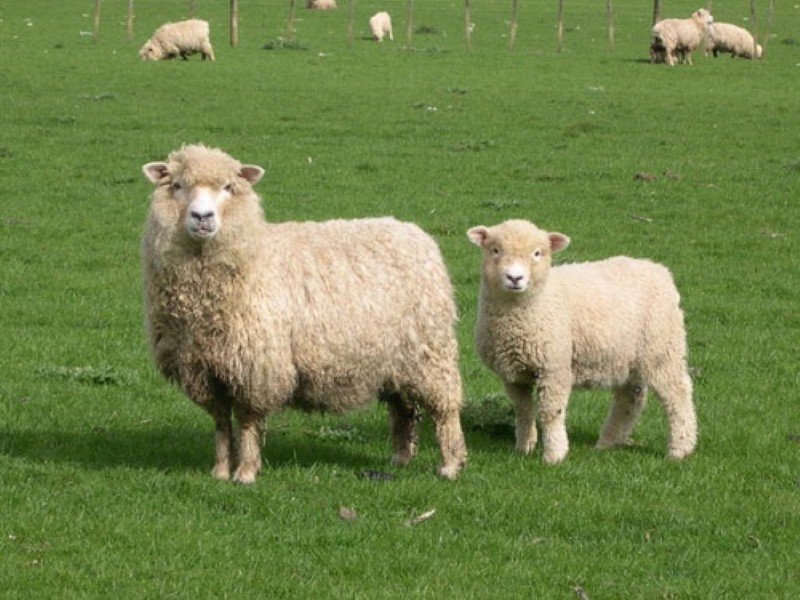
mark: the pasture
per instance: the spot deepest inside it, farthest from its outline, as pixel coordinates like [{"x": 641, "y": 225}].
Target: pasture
[{"x": 104, "y": 466}]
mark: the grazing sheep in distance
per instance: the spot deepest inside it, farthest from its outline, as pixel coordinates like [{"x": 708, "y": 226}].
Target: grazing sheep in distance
[
  {"x": 726, "y": 37},
  {"x": 672, "y": 37},
  {"x": 614, "y": 323},
  {"x": 178, "y": 39},
  {"x": 381, "y": 25},
  {"x": 249, "y": 316},
  {"x": 321, "y": 4}
]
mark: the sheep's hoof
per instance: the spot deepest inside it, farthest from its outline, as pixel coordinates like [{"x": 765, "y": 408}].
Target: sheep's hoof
[
  {"x": 524, "y": 449},
  {"x": 221, "y": 472},
  {"x": 450, "y": 473},
  {"x": 245, "y": 476},
  {"x": 401, "y": 459},
  {"x": 678, "y": 454},
  {"x": 553, "y": 458}
]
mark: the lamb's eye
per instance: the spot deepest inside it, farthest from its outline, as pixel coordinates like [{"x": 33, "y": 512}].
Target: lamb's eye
[
  {"x": 176, "y": 186},
  {"x": 536, "y": 254},
  {"x": 495, "y": 250},
  {"x": 228, "y": 187}
]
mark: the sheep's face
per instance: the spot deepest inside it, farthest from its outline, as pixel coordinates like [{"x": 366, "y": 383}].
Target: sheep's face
[
  {"x": 703, "y": 16},
  {"x": 200, "y": 183},
  {"x": 516, "y": 255},
  {"x": 150, "y": 52}
]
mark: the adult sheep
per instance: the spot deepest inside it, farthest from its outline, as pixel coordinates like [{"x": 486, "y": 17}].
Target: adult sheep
[
  {"x": 675, "y": 39},
  {"x": 182, "y": 38},
  {"x": 614, "y": 323},
  {"x": 249, "y": 316},
  {"x": 726, "y": 37},
  {"x": 380, "y": 24},
  {"x": 321, "y": 4}
]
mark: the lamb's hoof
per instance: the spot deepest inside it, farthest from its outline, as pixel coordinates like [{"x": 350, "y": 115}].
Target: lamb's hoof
[
  {"x": 553, "y": 458},
  {"x": 524, "y": 449},
  {"x": 401, "y": 459},
  {"x": 678, "y": 453}
]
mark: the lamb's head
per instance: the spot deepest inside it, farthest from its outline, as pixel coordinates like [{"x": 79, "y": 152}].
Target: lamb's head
[
  {"x": 200, "y": 185},
  {"x": 703, "y": 17},
  {"x": 516, "y": 255}
]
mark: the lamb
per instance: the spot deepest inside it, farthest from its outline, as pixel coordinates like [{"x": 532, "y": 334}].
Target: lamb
[
  {"x": 381, "y": 25},
  {"x": 249, "y": 316},
  {"x": 670, "y": 38},
  {"x": 726, "y": 37},
  {"x": 615, "y": 323},
  {"x": 321, "y": 4},
  {"x": 182, "y": 38}
]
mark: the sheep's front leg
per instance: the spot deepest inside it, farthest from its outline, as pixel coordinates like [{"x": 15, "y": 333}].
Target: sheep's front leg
[
  {"x": 552, "y": 414},
  {"x": 521, "y": 395},
  {"x": 249, "y": 449}
]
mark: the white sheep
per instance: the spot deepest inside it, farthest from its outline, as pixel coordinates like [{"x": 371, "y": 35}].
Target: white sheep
[
  {"x": 614, "y": 323},
  {"x": 676, "y": 39},
  {"x": 321, "y": 4},
  {"x": 249, "y": 316},
  {"x": 380, "y": 24},
  {"x": 182, "y": 38},
  {"x": 726, "y": 37}
]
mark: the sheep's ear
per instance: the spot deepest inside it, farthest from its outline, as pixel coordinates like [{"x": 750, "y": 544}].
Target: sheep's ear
[
  {"x": 558, "y": 241},
  {"x": 477, "y": 235},
  {"x": 155, "y": 171},
  {"x": 251, "y": 173}
]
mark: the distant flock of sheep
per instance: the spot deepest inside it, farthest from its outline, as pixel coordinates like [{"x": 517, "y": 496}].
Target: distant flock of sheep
[
  {"x": 248, "y": 316},
  {"x": 671, "y": 40}
]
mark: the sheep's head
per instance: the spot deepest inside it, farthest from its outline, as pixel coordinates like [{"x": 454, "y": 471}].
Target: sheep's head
[
  {"x": 198, "y": 184},
  {"x": 151, "y": 51},
  {"x": 516, "y": 255},
  {"x": 701, "y": 15}
]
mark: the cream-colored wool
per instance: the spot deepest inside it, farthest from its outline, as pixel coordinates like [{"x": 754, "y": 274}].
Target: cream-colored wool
[
  {"x": 380, "y": 24},
  {"x": 182, "y": 38},
  {"x": 249, "y": 316},
  {"x": 726, "y": 37},
  {"x": 321, "y": 4},
  {"x": 614, "y": 323},
  {"x": 675, "y": 39}
]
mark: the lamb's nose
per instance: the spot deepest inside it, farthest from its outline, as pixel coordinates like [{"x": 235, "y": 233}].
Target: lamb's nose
[
  {"x": 515, "y": 279},
  {"x": 202, "y": 216}
]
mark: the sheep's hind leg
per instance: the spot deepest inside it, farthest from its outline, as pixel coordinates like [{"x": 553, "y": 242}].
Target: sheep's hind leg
[
  {"x": 674, "y": 389},
  {"x": 629, "y": 400},
  {"x": 522, "y": 396},
  {"x": 249, "y": 448},
  {"x": 223, "y": 440},
  {"x": 403, "y": 418}
]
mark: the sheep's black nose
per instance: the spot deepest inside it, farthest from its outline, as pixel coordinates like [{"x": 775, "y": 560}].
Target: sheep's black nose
[
  {"x": 514, "y": 278},
  {"x": 202, "y": 216}
]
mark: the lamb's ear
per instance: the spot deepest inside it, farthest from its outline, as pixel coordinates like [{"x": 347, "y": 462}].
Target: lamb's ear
[
  {"x": 477, "y": 235},
  {"x": 251, "y": 173},
  {"x": 558, "y": 241},
  {"x": 155, "y": 171}
]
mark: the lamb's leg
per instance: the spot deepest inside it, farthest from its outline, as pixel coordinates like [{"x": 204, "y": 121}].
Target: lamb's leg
[
  {"x": 674, "y": 389},
  {"x": 249, "y": 448},
  {"x": 553, "y": 398},
  {"x": 522, "y": 396},
  {"x": 403, "y": 418},
  {"x": 452, "y": 447},
  {"x": 223, "y": 439},
  {"x": 629, "y": 400}
]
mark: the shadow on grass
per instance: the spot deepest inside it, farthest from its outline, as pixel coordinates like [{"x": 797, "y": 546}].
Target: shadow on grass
[{"x": 176, "y": 449}]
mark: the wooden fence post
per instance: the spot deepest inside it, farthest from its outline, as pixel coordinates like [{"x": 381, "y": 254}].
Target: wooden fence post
[
  {"x": 409, "y": 22},
  {"x": 96, "y": 21},
  {"x": 467, "y": 25},
  {"x": 290, "y": 21},
  {"x": 234, "y": 23},
  {"x": 560, "y": 26},
  {"x": 610, "y": 24},
  {"x": 512, "y": 33},
  {"x": 130, "y": 20}
]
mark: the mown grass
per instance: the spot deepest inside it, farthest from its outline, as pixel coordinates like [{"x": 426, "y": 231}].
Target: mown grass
[{"x": 105, "y": 485}]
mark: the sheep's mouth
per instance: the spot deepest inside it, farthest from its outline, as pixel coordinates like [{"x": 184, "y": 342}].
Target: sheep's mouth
[{"x": 202, "y": 232}]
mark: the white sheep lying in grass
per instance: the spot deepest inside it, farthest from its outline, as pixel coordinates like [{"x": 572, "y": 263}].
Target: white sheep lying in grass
[
  {"x": 380, "y": 24},
  {"x": 321, "y": 4},
  {"x": 726, "y": 37},
  {"x": 614, "y": 323},
  {"x": 249, "y": 316},
  {"x": 671, "y": 39},
  {"x": 178, "y": 39}
]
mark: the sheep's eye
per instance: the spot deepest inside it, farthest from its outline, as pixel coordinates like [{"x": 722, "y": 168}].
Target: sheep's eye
[
  {"x": 495, "y": 250},
  {"x": 536, "y": 254},
  {"x": 176, "y": 186},
  {"x": 228, "y": 187}
]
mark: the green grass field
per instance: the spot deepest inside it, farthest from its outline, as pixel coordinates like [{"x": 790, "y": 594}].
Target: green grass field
[{"x": 105, "y": 483}]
